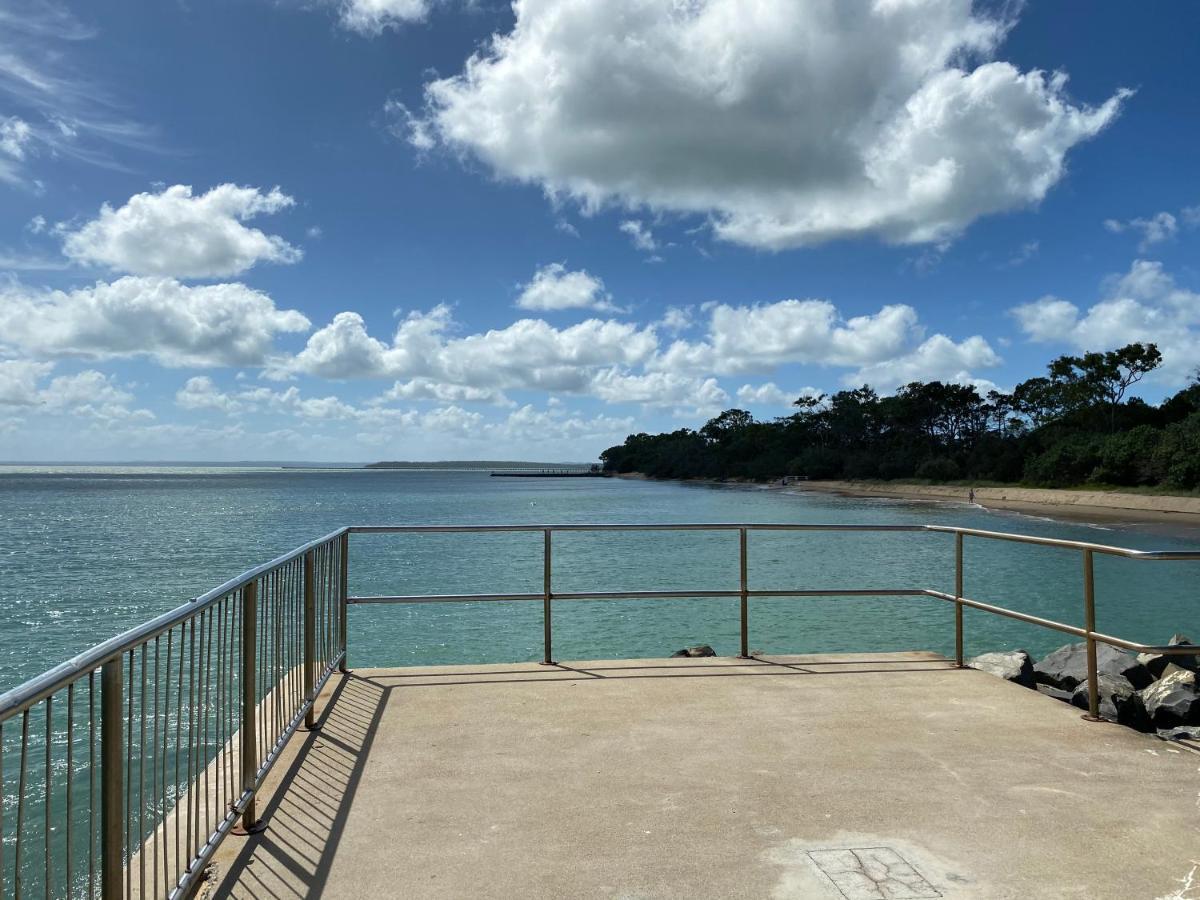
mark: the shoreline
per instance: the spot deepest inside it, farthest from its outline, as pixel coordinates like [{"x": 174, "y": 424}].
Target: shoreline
[
  {"x": 1110, "y": 507},
  {"x": 1106, "y": 506}
]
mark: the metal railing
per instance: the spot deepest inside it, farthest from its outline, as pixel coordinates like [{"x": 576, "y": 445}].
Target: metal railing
[
  {"x": 135, "y": 759},
  {"x": 170, "y": 729},
  {"x": 548, "y": 595}
]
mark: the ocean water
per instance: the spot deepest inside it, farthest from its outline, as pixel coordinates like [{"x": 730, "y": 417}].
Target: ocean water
[{"x": 87, "y": 553}]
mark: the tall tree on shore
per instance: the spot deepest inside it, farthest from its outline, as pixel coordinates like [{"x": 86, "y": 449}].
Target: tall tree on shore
[{"x": 1104, "y": 378}]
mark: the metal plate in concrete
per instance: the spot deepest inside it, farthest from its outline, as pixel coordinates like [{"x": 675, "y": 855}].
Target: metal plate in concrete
[{"x": 872, "y": 873}]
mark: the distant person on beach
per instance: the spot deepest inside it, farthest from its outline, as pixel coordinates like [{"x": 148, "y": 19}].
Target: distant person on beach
[{"x": 971, "y": 495}]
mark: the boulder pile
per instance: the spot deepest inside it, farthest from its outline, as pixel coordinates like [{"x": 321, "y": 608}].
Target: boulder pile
[{"x": 1154, "y": 693}]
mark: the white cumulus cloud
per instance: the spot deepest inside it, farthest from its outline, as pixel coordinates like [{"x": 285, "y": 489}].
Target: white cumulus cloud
[
  {"x": 15, "y": 134},
  {"x": 770, "y": 394},
  {"x": 788, "y": 122},
  {"x": 761, "y": 337},
  {"x": 182, "y": 235},
  {"x": 938, "y": 358},
  {"x": 19, "y": 381},
  {"x": 429, "y": 389},
  {"x": 531, "y": 425},
  {"x": 1144, "y": 304},
  {"x": 372, "y": 17},
  {"x": 172, "y": 323},
  {"x": 642, "y": 237},
  {"x": 659, "y": 389},
  {"x": 93, "y": 395},
  {"x": 554, "y": 287},
  {"x": 87, "y": 394},
  {"x": 1155, "y": 229},
  {"x": 528, "y": 354}
]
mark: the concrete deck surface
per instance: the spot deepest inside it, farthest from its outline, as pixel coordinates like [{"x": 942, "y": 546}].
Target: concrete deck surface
[{"x": 872, "y": 776}]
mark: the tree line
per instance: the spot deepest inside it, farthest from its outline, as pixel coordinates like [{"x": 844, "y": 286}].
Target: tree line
[{"x": 1075, "y": 425}]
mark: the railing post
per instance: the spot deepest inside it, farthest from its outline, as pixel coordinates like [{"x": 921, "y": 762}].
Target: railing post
[
  {"x": 1089, "y": 615},
  {"x": 547, "y": 641},
  {"x": 310, "y": 640},
  {"x": 958, "y": 592},
  {"x": 112, "y": 785},
  {"x": 249, "y": 730},
  {"x": 744, "y": 599},
  {"x": 343, "y": 593}
]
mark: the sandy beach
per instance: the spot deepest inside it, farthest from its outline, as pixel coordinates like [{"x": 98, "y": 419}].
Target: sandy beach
[{"x": 1108, "y": 506}]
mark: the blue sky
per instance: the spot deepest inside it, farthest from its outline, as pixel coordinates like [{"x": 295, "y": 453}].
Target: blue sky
[{"x": 424, "y": 229}]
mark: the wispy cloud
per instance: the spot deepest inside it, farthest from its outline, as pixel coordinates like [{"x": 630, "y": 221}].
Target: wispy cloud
[{"x": 48, "y": 107}]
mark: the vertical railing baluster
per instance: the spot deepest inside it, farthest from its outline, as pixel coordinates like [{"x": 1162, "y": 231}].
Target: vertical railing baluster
[
  {"x": 202, "y": 838},
  {"x": 2, "y": 857},
  {"x": 2, "y": 894},
  {"x": 129, "y": 772},
  {"x": 92, "y": 767},
  {"x": 159, "y": 833},
  {"x": 343, "y": 593},
  {"x": 958, "y": 593},
  {"x": 744, "y": 598},
  {"x": 141, "y": 837},
  {"x": 112, "y": 774},
  {"x": 190, "y": 813},
  {"x": 48, "y": 786},
  {"x": 180, "y": 814},
  {"x": 249, "y": 739},
  {"x": 310, "y": 639},
  {"x": 547, "y": 621},
  {"x": 219, "y": 714},
  {"x": 17, "y": 880},
  {"x": 1089, "y": 610}
]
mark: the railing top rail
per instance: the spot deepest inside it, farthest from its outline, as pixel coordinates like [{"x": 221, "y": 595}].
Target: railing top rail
[
  {"x": 36, "y": 689},
  {"x": 626, "y": 526},
  {"x": 779, "y": 526},
  {"x": 43, "y": 685},
  {"x": 1067, "y": 544}
]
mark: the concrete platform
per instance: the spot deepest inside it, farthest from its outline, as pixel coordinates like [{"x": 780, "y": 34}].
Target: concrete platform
[{"x": 847, "y": 778}]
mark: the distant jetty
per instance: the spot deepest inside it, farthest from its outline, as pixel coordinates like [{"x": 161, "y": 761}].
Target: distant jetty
[
  {"x": 556, "y": 472},
  {"x": 474, "y": 464}
]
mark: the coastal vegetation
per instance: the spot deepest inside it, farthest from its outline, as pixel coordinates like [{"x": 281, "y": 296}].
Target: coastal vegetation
[{"x": 1075, "y": 425}]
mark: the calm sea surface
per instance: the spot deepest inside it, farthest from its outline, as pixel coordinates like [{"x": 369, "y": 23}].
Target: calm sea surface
[{"x": 87, "y": 553}]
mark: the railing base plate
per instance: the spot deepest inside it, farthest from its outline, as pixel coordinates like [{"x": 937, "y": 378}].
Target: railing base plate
[{"x": 242, "y": 831}]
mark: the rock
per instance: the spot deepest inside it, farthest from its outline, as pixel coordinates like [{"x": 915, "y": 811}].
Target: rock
[
  {"x": 1066, "y": 667},
  {"x": 1185, "y": 660},
  {"x": 1119, "y": 702},
  {"x": 1011, "y": 665},
  {"x": 1173, "y": 700},
  {"x": 699, "y": 650},
  {"x": 1155, "y": 663},
  {"x": 1180, "y": 734},
  {"x": 1064, "y": 696},
  {"x": 1177, "y": 673}
]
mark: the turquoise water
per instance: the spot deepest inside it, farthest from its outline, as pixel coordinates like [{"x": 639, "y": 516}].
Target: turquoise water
[{"x": 85, "y": 554}]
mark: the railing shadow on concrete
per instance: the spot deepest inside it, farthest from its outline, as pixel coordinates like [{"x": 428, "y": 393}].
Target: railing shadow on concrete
[{"x": 292, "y": 856}]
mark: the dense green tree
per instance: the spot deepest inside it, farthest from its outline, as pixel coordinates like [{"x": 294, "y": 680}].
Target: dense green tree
[
  {"x": 1101, "y": 379},
  {"x": 1074, "y": 425}
]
